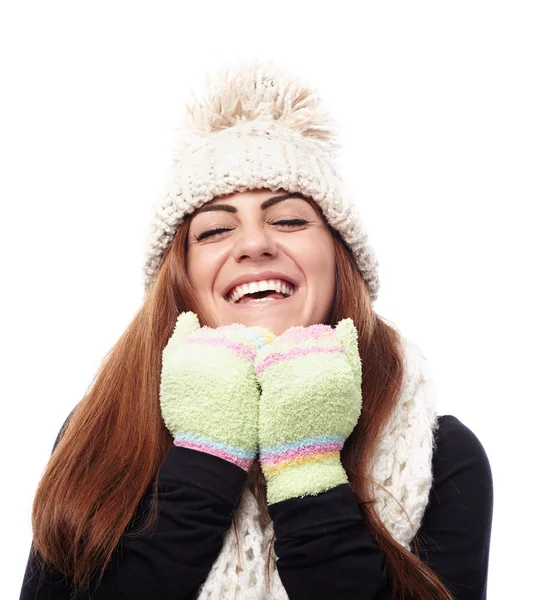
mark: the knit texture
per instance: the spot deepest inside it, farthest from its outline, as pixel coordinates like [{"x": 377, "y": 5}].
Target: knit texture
[
  {"x": 402, "y": 465},
  {"x": 310, "y": 402},
  {"x": 257, "y": 127}
]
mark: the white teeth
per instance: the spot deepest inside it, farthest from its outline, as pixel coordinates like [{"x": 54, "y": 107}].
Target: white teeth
[
  {"x": 259, "y": 300},
  {"x": 276, "y": 285}
]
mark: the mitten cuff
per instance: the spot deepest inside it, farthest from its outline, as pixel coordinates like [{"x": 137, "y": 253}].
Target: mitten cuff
[
  {"x": 308, "y": 479},
  {"x": 241, "y": 457}
]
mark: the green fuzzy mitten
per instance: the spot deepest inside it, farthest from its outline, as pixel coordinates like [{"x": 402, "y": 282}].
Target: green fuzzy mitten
[
  {"x": 208, "y": 391},
  {"x": 311, "y": 400}
]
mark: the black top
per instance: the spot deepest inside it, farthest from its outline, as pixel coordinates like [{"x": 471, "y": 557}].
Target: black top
[{"x": 323, "y": 546}]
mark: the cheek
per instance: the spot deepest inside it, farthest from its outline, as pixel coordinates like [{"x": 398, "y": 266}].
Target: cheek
[
  {"x": 327, "y": 274},
  {"x": 200, "y": 271},
  {"x": 317, "y": 259}
]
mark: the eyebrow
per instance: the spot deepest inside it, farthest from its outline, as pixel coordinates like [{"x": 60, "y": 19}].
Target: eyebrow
[{"x": 232, "y": 209}]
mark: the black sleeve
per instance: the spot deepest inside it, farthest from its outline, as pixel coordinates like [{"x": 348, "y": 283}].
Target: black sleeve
[
  {"x": 456, "y": 529},
  {"x": 197, "y": 496},
  {"x": 325, "y": 550}
]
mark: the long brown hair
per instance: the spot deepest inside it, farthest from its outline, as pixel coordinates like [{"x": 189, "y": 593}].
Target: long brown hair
[{"x": 115, "y": 441}]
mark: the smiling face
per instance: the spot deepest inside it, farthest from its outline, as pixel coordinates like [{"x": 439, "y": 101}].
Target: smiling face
[{"x": 279, "y": 242}]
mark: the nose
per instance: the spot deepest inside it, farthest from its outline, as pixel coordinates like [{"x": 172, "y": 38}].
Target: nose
[{"x": 254, "y": 243}]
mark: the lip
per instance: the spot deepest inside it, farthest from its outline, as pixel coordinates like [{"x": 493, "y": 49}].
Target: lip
[{"x": 260, "y": 276}]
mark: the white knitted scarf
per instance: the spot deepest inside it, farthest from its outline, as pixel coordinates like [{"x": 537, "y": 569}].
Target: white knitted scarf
[{"x": 402, "y": 468}]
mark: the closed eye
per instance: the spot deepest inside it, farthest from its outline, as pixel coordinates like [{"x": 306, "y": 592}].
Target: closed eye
[
  {"x": 211, "y": 232},
  {"x": 292, "y": 222},
  {"x": 284, "y": 222}
]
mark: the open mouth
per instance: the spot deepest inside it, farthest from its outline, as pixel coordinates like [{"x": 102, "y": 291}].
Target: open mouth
[{"x": 261, "y": 291}]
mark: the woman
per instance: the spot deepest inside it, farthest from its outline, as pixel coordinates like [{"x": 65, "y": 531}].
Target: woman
[{"x": 308, "y": 460}]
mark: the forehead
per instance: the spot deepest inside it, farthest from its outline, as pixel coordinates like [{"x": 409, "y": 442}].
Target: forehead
[
  {"x": 254, "y": 195},
  {"x": 263, "y": 197},
  {"x": 259, "y": 194}
]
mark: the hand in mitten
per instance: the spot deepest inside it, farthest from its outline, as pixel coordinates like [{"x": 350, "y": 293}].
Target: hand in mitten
[
  {"x": 311, "y": 400},
  {"x": 208, "y": 390}
]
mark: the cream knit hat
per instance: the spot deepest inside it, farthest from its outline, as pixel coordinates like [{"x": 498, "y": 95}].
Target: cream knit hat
[{"x": 258, "y": 127}]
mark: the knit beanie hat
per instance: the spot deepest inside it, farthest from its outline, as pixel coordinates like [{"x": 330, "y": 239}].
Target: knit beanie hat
[{"x": 257, "y": 127}]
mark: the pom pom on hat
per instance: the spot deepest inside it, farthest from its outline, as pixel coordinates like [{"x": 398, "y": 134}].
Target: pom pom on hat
[
  {"x": 257, "y": 126},
  {"x": 262, "y": 92}
]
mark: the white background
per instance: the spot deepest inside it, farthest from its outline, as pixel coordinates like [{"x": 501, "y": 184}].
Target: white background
[{"x": 440, "y": 110}]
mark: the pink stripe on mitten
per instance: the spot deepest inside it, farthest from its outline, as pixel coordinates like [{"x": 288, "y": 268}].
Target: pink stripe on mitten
[
  {"x": 277, "y": 357},
  {"x": 239, "y": 348}
]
